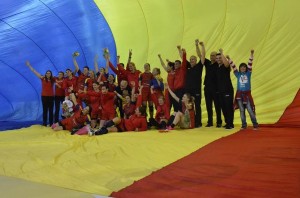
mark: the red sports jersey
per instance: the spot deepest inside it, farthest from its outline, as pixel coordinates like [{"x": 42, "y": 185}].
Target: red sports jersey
[
  {"x": 162, "y": 111},
  {"x": 47, "y": 87},
  {"x": 94, "y": 101},
  {"x": 170, "y": 79},
  {"x": 180, "y": 74},
  {"x": 101, "y": 78},
  {"x": 134, "y": 122},
  {"x": 146, "y": 78},
  {"x": 131, "y": 76},
  {"x": 59, "y": 90},
  {"x": 107, "y": 102},
  {"x": 81, "y": 80},
  {"x": 111, "y": 87},
  {"x": 76, "y": 121},
  {"x": 69, "y": 83},
  {"x": 119, "y": 74},
  {"x": 129, "y": 109},
  {"x": 89, "y": 83}
]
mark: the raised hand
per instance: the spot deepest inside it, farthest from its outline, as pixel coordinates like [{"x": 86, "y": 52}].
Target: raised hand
[
  {"x": 252, "y": 51},
  {"x": 221, "y": 50},
  {"x": 130, "y": 52},
  {"x": 28, "y": 63}
]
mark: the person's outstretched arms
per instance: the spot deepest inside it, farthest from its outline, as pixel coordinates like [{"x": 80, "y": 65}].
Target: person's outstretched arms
[
  {"x": 203, "y": 54},
  {"x": 172, "y": 93},
  {"x": 179, "y": 51},
  {"x": 33, "y": 70},
  {"x": 96, "y": 64},
  {"x": 225, "y": 61},
  {"x": 250, "y": 60},
  {"x": 162, "y": 63},
  {"x": 129, "y": 57},
  {"x": 75, "y": 63}
]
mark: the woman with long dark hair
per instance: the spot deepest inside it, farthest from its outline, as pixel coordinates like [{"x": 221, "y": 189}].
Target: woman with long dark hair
[{"x": 47, "y": 94}]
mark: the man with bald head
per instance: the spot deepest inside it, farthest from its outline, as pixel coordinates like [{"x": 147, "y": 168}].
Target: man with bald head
[
  {"x": 193, "y": 82},
  {"x": 210, "y": 89}
]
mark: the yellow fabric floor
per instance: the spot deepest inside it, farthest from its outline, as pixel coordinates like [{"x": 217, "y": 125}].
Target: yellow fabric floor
[{"x": 100, "y": 164}]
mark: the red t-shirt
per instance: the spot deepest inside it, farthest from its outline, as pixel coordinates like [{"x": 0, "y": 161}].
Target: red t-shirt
[
  {"x": 89, "y": 84},
  {"x": 129, "y": 109},
  {"x": 69, "y": 83},
  {"x": 77, "y": 120},
  {"x": 80, "y": 80},
  {"x": 47, "y": 87},
  {"x": 170, "y": 79},
  {"x": 121, "y": 76},
  {"x": 134, "y": 122},
  {"x": 59, "y": 90},
  {"x": 146, "y": 78},
  {"x": 180, "y": 74},
  {"x": 107, "y": 102},
  {"x": 131, "y": 76},
  {"x": 94, "y": 99}
]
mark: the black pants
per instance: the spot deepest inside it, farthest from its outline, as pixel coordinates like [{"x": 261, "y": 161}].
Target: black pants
[
  {"x": 47, "y": 102},
  {"x": 212, "y": 97},
  {"x": 198, "y": 114},
  {"x": 226, "y": 101},
  {"x": 58, "y": 100},
  {"x": 179, "y": 93}
]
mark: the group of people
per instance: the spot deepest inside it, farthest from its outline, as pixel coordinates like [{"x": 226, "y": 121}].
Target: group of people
[{"x": 94, "y": 103}]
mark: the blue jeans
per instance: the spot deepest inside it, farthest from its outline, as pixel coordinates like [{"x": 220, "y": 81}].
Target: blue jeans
[{"x": 250, "y": 111}]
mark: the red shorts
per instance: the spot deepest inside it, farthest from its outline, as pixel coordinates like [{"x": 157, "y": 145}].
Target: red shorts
[
  {"x": 107, "y": 115},
  {"x": 95, "y": 114},
  {"x": 146, "y": 95}
]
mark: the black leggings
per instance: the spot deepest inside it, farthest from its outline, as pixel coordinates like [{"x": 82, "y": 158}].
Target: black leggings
[
  {"x": 58, "y": 100},
  {"x": 47, "y": 102}
]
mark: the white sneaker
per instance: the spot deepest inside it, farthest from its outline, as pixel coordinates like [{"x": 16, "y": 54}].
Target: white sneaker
[{"x": 91, "y": 132}]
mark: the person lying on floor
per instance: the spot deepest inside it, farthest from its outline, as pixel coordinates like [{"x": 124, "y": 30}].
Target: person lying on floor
[{"x": 78, "y": 120}]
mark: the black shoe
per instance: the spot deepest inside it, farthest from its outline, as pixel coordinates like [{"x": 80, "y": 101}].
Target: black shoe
[
  {"x": 209, "y": 125},
  {"x": 219, "y": 125},
  {"x": 102, "y": 131},
  {"x": 228, "y": 127}
]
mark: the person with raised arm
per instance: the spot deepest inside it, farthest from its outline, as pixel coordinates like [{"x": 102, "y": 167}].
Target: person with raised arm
[
  {"x": 130, "y": 72},
  {"x": 193, "y": 82},
  {"x": 170, "y": 69},
  {"x": 185, "y": 116},
  {"x": 47, "y": 93},
  {"x": 210, "y": 88},
  {"x": 180, "y": 75},
  {"x": 243, "y": 96},
  {"x": 225, "y": 89},
  {"x": 82, "y": 76}
]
